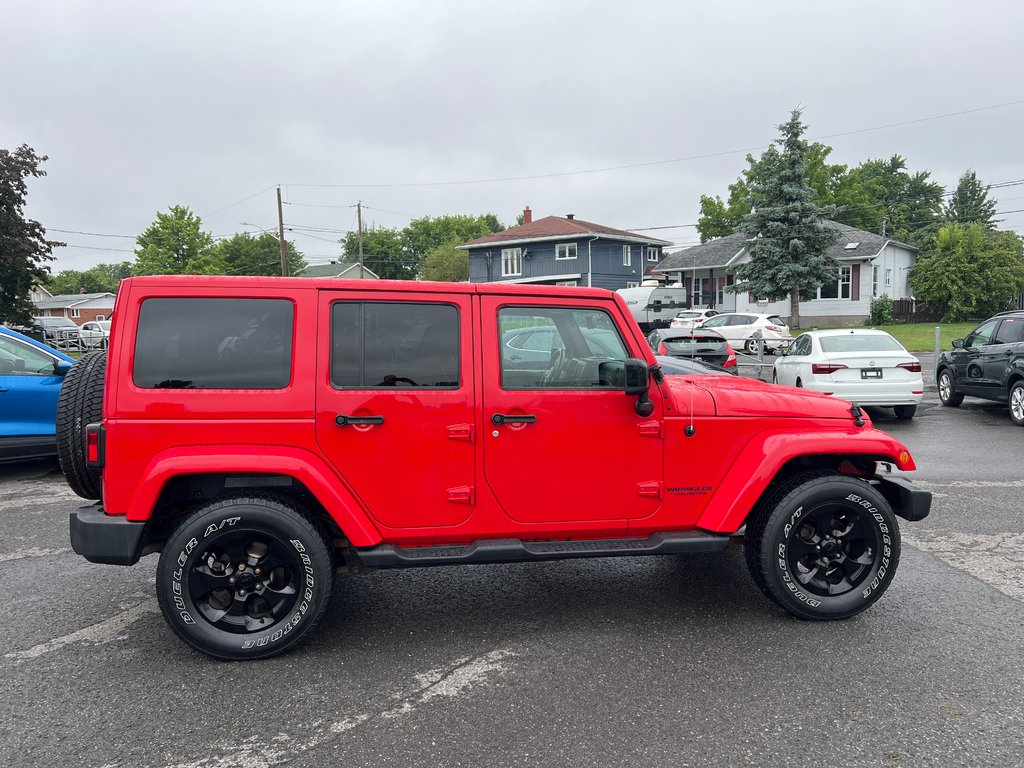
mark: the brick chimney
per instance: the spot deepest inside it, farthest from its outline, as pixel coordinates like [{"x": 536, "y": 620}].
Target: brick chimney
[{"x": 527, "y": 215}]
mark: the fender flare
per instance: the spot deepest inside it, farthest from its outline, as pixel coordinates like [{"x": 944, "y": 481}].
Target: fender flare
[
  {"x": 762, "y": 458},
  {"x": 303, "y": 466}
]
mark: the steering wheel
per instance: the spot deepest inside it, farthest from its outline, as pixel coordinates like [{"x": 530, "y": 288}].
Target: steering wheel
[{"x": 553, "y": 367}]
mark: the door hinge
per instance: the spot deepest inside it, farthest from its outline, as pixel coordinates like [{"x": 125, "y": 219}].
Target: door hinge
[
  {"x": 650, "y": 429},
  {"x": 463, "y": 432},
  {"x": 462, "y": 494},
  {"x": 651, "y": 489}
]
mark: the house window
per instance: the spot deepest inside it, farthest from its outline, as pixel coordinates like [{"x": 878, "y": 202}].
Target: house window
[
  {"x": 698, "y": 291},
  {"x": 652, "y": 254},
  {"x": 627, "y": 255},
  {"x": 874, "y": 281},
  {"x": 566, "y": 282},
  {"x": 888, "y": 278},
  {"x": 565, "y": 251},
  {"x": 632, "y": 285},
  {"x": 511, "y": 262},
  {"x": 720, "y": 291},
  {"x": 101, "y": 317},
  {"x": 75, "y": 313},
  {"x": 839, "y": 289}
]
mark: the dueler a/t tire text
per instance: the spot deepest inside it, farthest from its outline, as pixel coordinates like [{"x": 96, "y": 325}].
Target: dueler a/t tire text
[
  {"x": 824, "y": 546},
  {"x": 79, "y": 404},
  {"x": 245, "y": 577}
]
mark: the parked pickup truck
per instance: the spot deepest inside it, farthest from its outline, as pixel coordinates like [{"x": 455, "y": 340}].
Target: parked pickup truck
[{"x": 263, "y": 433}]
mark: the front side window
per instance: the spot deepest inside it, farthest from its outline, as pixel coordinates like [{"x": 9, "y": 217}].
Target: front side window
[
  {"x": 511, "y": 262},
  {"x": 565, "y": 251},
  {"x": 981, "y": 335},
  {"x": 560, "y": 348},
  {"x": 18, "y": 359},
  {"x": 206, "y": 343},
  {"x": 394, "y": 345}
]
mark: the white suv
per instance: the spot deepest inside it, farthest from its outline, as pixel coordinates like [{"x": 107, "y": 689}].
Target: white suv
[
  {"x": 740, "y": 329},
  {"x": 692, "y": 318}
]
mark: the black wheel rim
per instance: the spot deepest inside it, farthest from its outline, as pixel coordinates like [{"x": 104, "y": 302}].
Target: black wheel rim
[
  {"x": 245, "y": 581},
  {"x": 832, "y": 549}
]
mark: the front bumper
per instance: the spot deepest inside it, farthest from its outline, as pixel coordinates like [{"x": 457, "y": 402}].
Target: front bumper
[
  {"x": 103, "y": 538},
  {"x": 907, "y": 500}
]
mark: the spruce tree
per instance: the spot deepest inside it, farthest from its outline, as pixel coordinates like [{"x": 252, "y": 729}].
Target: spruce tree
[
  {"x": 969, "y": 204},
  {"x": 788, "y": 255}
]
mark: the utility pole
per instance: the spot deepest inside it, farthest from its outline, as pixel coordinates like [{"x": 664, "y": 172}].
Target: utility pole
[
  {"x": 280, "y": 235},
  {"x": 359, "y": 214}
]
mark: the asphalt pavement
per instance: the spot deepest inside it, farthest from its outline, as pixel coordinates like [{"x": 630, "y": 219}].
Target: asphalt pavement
[{"x": 663, "y": 661}]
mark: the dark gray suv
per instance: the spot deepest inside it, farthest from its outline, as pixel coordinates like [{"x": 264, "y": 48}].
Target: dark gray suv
[{"x": 987, "y": 363}]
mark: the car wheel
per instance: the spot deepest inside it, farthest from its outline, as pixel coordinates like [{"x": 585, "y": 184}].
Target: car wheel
[
  {"x": 799, "y": 384},
  {"x": 905, "y": 411},
  {"x": 823, "y": 546},
  {"x": 79, "y": 404},
  {"x": 245, "y": 577},
  {"x": 775, "y": 377},
  {"x": 750, "y": 346},
  {"x": 948, "y": 395},
  {"x": 1017, "y": 402}
]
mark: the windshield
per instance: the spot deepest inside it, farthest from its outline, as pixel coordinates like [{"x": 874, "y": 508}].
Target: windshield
[{"x": 55, "y": 322}]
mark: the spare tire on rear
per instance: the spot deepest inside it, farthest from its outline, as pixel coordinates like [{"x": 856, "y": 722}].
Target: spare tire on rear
[{"x": 80, "y": 404}]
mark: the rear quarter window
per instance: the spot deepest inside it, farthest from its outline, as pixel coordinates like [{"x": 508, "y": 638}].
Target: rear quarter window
[{"x": 213, "y": 343}]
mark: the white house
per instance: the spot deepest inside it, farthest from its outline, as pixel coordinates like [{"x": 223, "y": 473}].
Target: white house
[{"x": 867, "y": 265}]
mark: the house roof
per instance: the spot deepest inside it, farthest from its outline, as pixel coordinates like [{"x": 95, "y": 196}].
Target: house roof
[
  {"x": 853, "y": 243},
  {"x": 71, "y": 300},
  {"x": 337, "y": 269},
  {"x": 555, "y": 227}
]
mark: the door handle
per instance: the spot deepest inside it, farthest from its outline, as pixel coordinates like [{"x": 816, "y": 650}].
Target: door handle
[
  {"x": 504, "y": 418},
  {"x": 343, "y": 421}
]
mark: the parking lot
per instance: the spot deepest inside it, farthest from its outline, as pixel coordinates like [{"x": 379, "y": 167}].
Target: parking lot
[{"x": 652, "y": 661}]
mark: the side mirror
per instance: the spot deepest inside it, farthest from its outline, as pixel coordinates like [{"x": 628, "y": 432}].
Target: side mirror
[
  {"x": 638, "y": 381},
  {"x": 60, "y": 368},
  {"x": 958, "y": 343}
]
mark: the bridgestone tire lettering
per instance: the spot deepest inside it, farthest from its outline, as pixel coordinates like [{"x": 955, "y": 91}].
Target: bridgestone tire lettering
[
  {"x": 208, "y": 536},
  {"x": 823, "y": 545}
]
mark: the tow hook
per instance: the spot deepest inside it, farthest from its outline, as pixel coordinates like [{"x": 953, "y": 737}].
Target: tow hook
[{"x": 858, "y": 416}]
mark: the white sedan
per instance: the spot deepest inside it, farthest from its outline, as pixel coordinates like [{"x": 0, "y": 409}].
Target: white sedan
[
  {"x": 863, "y": 366},
  {"x": 744, "y": 328}
]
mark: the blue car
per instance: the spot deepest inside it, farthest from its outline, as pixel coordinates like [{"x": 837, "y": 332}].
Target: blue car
[{"x": 30, "y": 377}]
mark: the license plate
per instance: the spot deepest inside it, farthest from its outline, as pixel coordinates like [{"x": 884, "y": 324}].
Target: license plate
[{"x": 871, "y": 373}]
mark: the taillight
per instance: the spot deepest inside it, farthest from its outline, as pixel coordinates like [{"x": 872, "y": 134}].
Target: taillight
[
  {"x": 826, "y": 367},
  {"x": 914, "y": 367},
  {"x": 94, "y": 445},
  {"x": 770, "y": 328},
  {"x": 661, "y": 348},
  {"x": 731, "y": 359}
]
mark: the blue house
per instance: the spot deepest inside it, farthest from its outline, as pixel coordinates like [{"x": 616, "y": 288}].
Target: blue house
[{"x": 560, "y": 250}]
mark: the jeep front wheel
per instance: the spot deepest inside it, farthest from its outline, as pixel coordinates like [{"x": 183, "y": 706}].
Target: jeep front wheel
[
  {"x": 824, "y": 546},
  {"x": 245, "y": 577}
]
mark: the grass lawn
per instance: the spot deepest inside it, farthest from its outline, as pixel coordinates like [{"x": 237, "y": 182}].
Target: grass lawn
[{"x": 920, "y": 337}]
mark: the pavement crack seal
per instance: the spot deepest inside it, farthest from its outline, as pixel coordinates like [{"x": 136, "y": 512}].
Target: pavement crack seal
[
  {"x": 994, "y": 558},
  {"x": 441, "y": 683},
  {"x": 97, "y": 634},
  {"x": 21, "y": 554}
]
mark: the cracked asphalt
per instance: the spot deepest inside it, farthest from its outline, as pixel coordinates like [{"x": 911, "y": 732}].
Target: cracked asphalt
[{"x": 670, "y": 661}]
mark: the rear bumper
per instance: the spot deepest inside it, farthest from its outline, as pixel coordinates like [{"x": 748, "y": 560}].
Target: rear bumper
[{"x": 103, "y": 538}]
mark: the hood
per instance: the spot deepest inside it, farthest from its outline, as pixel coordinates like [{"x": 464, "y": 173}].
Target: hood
[{"x": 738, "y": 396}]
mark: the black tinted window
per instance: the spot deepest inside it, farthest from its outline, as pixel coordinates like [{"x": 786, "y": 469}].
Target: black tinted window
[
  {"x": 392, "y": 344},
  {"x": 1010, "y": 331},
  {"x": 214, "y": 344}
]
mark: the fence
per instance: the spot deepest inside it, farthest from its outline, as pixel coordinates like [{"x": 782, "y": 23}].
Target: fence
[{"x": 908, "y": 311}]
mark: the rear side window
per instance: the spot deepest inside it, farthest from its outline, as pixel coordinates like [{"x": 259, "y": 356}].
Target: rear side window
[
  {"x": 1010, "y": 331},
  {"x": 394, "y": 344},
  {"x": 201, "y": 343}
]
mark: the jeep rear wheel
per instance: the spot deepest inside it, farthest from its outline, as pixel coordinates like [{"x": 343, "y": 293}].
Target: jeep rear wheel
[
  {"x": 948, "y": 395},
  {"x": 79, "y": 404},
  {"x": 245, "y": 577},
  {"x": 824, "y": 546}
]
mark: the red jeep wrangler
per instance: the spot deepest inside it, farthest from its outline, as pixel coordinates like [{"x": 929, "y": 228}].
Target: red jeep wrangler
[{"x": 262, "y": 433}]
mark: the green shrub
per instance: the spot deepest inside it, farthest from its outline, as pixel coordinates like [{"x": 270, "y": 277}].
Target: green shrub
[{"x": 881, "y": 310}]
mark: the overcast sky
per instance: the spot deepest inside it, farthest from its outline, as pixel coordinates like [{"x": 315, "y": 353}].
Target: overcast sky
[{"x": 431, "y": 108}]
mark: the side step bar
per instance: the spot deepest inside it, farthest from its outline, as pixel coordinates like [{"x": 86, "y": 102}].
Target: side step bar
[{"x": 517, "y": 550}]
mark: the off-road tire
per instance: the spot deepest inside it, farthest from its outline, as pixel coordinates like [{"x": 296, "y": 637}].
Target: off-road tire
[
  {"x": 233, "y": 613},
  {"x": 905, "y": 411},
  {"x": 948, "y": 395},
  {"x": 857, "y": 537},
  {"x": 1016, "y": 401},
  {"x": 80, "y": 403}
]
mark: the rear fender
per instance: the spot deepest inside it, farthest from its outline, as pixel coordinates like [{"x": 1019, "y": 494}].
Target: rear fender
[
  {"x": 767, "y": 453},
  {"x": 303, "y": 466}
]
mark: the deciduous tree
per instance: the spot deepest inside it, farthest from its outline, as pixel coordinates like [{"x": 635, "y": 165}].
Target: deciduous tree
[
  {"x": 247, "y": 254},
  {"x": 24, "y": 249},
  {"x": 175, "y": 244},
  {"x": 446, "y": 263},
  {"x": 970, "y": 204},
  {"x": 103, "y": 278},
  {"x": 383, "y": 252}
]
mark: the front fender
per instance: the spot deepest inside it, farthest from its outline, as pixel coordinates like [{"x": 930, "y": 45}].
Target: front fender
[
  {"x": 303, "y": 466},
  {"x": 767, "y": 453}
]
